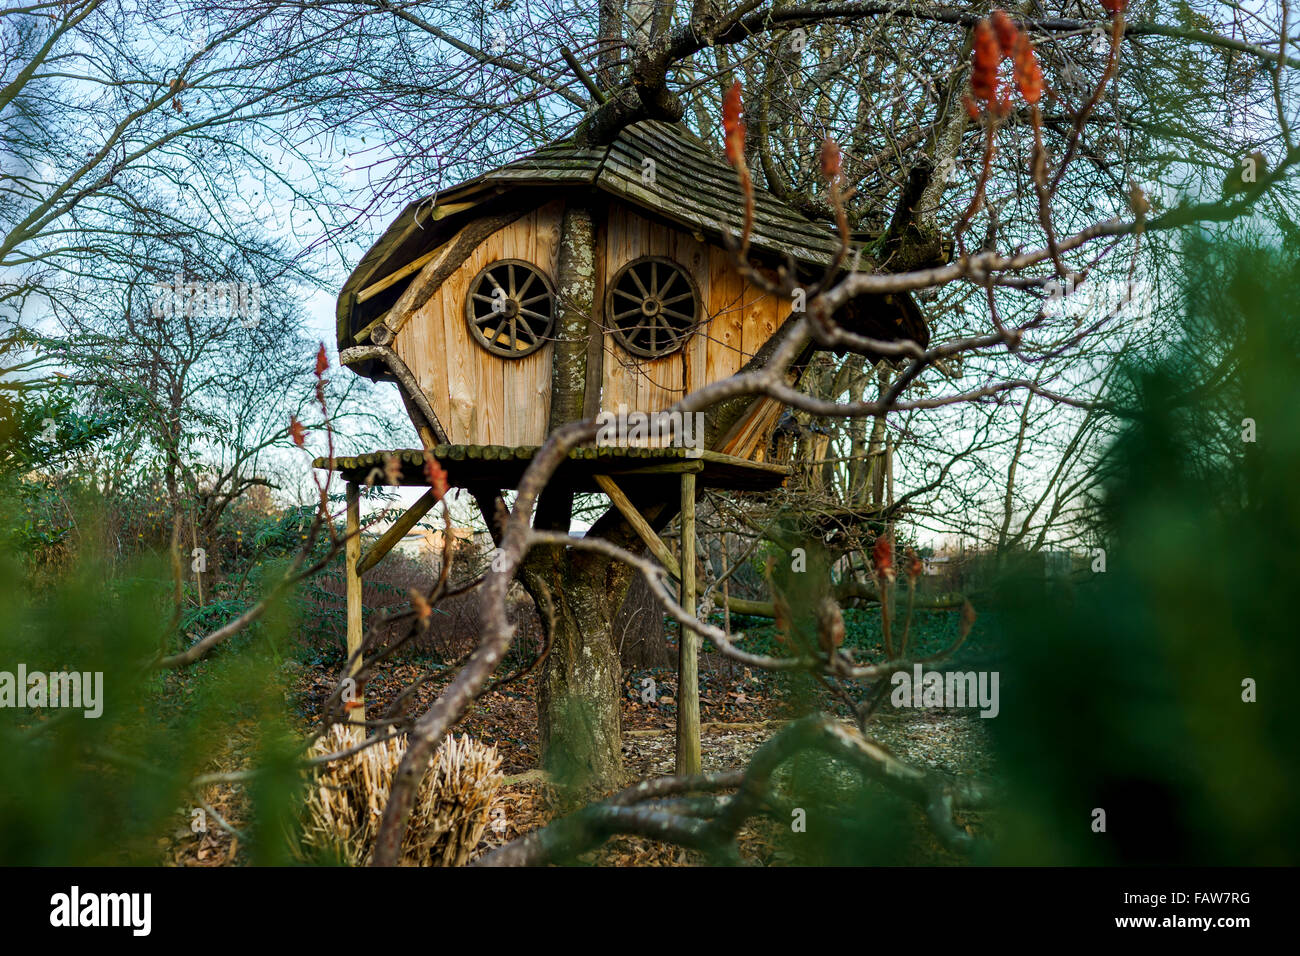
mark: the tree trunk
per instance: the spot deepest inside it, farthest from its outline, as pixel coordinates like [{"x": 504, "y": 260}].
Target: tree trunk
[
  {"x": 579, "y": 595},
  {"x": 639, "y": 631}
]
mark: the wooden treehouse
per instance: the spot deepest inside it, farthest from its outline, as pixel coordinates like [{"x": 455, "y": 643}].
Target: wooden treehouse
[{"x": 581, "y": 280}]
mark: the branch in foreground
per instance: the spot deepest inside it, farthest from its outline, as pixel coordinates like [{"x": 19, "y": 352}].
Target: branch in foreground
[{"x": 629, "y": 811}]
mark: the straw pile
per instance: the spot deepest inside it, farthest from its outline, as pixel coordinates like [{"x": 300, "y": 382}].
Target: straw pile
[{"x": 346, "y": 800}]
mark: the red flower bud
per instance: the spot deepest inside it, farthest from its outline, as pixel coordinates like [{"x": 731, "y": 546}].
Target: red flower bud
[
  {"x": 830, "y": 159},
  {"x": 914, "y": 566},
  {"x": 1114, "y": 6},
  {"x": 423, "y": 609},
  {"x": 1028, "y": 74},
  {"x": 1006, "y": 30},
  {"x": 984, "y": 72},
  {"x": 435, "y": 475},
  {"x": 882, "y": 556}
]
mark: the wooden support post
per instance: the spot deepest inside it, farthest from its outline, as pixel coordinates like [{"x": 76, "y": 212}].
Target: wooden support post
[
  {"x": 671, "y": 468},
  {"x": 688, "y": 679},
  {"x": 352, "y": 557},
  {"x": 396, "y": 532},
  {"x": 726, "y": 599}
]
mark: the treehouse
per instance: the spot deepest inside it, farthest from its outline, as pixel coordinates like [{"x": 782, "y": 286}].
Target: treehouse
[
  {"x": 463, "y": 301},
  {"x": 580, "y": 281}
]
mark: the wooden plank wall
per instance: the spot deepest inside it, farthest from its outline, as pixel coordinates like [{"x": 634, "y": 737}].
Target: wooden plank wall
[
  {"x": 484, "y": 399},
  {"x": 481, "y": 398},
  {"x": 738, "y": 319}
]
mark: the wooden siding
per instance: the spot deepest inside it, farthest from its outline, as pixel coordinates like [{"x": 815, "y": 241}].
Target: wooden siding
[
  {"x": 482, "y": 399},
  {"x": 737, "y": 320}
]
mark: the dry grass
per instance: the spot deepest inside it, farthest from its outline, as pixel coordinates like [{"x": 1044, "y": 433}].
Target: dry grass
[{"x": 452, "y": 808}]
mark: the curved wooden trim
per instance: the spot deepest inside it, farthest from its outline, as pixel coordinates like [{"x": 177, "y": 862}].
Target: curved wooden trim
[{"x": 406, "y": 382}]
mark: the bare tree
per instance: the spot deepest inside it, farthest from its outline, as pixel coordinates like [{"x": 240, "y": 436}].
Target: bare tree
[{"x": 992, "y": 167}]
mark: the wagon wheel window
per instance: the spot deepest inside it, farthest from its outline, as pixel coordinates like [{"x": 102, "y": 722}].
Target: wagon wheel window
[
  {"x": 652, "y": 306},
  {"x": 510, "y": 308}
]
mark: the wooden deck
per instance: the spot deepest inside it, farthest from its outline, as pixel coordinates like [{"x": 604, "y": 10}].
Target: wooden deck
[{"x": 501, "y": 466}]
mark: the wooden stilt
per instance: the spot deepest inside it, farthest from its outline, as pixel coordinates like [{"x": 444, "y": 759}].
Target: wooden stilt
[
  {"x": 352, "y": 557},
  {"x": 198, "y": 573},
  {"x": 688, "y": 680},
  {"x": 726, "y": 599}
]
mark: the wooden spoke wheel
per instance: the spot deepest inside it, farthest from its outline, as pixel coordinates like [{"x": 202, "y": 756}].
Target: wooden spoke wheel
[
  {"x": 652, "y": 306},
  {"x": 510, "y": 308}
]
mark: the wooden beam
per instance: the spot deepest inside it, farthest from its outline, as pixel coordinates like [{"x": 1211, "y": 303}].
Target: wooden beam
[
  {"x": 415, "y": 265},
  {"x": 672, "y": 468},
  {"x": 352, "y": 554},
  {"x": 450, "y": 209},
  {"x": 639, "y": 524},
  {"x": 750, "y": 608},
  {"x": 364, "y": 335},
  {"x": 932, "y": 602},
  {"x": 407, "y": 385},
  {"x": 396, "y": 532},
  {"x": 688, "y": 647}
]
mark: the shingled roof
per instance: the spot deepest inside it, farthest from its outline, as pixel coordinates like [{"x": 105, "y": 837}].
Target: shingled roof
[{"x": 692, "y": 188}]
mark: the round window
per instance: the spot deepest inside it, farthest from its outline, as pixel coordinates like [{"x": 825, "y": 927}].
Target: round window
[
  {"x": 510, "y": 308},
  {"x": 652, "y": 306}
]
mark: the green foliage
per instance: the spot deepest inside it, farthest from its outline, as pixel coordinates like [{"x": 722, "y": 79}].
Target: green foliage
[
  {"x": 41, "y": 427},
  {"x": 41, "y": 430},
  {"x": 845, "y": 820},
  {"x": 1126, "y": 694},
  {"x": 931, "y": 631},
  {"x": 101, "y": 790}
]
